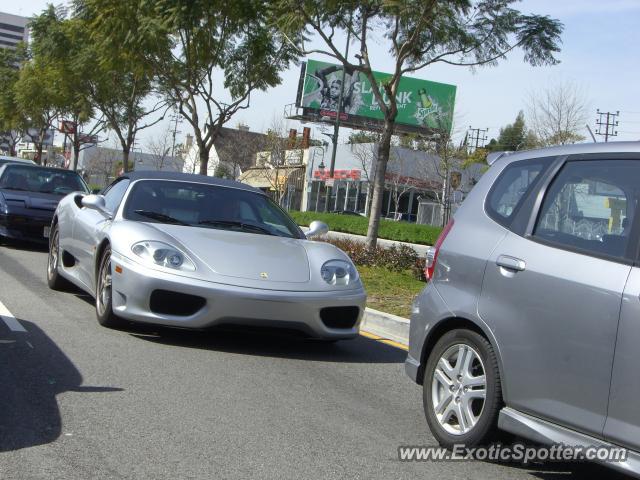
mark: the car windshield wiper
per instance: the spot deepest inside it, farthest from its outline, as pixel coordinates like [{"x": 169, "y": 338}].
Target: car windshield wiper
[
  {"x": 231, "y": 223},
  {"x": 160, "y": 216}
]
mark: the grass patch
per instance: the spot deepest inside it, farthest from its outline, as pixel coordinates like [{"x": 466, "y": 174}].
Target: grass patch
[
  {"x": 388, "y": 291},
  {"x": 390, "y": 230}
]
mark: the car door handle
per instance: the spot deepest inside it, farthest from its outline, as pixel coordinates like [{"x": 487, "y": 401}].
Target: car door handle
[{"x": 511, "y": 263}]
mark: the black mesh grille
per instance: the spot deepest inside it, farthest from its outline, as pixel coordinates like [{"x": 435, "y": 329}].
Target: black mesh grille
[
  {"x": 339, "y": 317},
  {"x": 165, "y": 302}
]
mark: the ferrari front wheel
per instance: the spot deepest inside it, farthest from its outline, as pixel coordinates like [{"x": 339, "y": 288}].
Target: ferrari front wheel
[
  {"x": 54, "y": 279},
  {"x": 104, "y": 292}
]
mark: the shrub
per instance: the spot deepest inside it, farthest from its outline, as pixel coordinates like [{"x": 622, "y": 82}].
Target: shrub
[
  {"x": 418, "y": 268},
  {"x": 397, "y": 258}
]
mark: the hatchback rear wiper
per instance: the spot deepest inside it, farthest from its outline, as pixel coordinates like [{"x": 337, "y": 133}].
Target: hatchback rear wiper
[
  {"x": 160, "y": 216},
  {"x": 232, "y": 223}
]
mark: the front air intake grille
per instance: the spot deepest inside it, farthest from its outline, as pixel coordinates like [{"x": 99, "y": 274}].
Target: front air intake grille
[
  {"x": 339, "y": 317},
  {"x": 165, "y": 302}
]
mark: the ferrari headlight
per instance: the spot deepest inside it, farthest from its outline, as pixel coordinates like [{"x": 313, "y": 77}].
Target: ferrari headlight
[
  {"x": 338, "y": 272},
  {"x": 163, "y": 254}
]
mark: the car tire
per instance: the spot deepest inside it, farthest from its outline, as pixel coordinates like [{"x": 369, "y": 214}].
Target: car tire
[
  {"x": 461, "y": 365},
  {"x": 104, "y": 292},
  {"x": 54, "y": 279}
]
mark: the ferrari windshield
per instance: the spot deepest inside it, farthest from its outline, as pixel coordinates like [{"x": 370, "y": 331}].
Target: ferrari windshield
[
  {"x": 41, "y": 179},
  {"x": 207, "y": 206}
]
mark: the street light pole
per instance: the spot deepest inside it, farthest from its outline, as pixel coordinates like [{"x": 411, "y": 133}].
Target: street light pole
[
  {"x": 336, "y": 126},
  {"x": 321, "y": 168},
  {"x": 310, "y": 181}
]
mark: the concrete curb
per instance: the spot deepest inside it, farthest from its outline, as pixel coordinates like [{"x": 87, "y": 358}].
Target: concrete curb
[{"x": 386, "y": 325}]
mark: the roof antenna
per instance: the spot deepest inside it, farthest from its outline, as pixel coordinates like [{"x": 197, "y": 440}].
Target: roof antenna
[{"x": 591, "y": 133}]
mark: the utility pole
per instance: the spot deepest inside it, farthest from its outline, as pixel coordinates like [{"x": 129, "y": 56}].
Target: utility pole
[
  {"x": 175, "y": 118},
  {"x": 478, "y": 136},
  {"x": 606, "y": 122}
]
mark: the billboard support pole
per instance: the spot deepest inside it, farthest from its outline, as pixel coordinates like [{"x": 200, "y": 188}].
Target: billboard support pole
[{"x": 336, "y": 126}]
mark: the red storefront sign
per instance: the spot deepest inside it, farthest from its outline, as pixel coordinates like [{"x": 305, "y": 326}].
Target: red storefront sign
[{"x": 354, "y": 174}]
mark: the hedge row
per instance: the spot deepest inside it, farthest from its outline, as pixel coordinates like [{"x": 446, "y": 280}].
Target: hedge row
[
  {"x": 397, "y": 258},
  {"x": 398, "y": 231}
]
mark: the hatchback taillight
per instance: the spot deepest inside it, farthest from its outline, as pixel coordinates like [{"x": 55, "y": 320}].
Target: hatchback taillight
[{"x": 432, "y": 253}]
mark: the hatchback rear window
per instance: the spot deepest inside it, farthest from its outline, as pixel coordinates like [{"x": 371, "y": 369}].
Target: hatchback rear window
[{"x": 511, "y": 187}]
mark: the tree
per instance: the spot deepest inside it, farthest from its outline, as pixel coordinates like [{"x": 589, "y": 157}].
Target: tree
[
  {"x": 365, "y": 153},
  {"x": 419, "y": 33},
  {"x": 124, "y": 89},
  {"x": 37, "y": 101},
  {"x": 222, "y": 171},
  {"x": 160, "y": 150},
  {"x": 362, "y": 137},
  {"x": 11, "y": 122},
  {"x": 40, "y": 91},
  {"x": 208, "y": 56},
  {"x": 273, "y": 159},
  {"x": 514, "y": 137},
  {"x": 447, "y": 162},
  {"x": 58, "y": 43},
  {"x": 399, "y": 180},
  {"x": 558, "y": 113}
]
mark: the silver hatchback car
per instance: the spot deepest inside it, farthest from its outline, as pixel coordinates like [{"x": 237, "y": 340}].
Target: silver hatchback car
[{"x": 531, "y": 320}]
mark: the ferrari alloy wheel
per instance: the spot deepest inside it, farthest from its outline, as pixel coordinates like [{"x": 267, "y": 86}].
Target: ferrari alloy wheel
[
  {"x": 54, "y": 280},
  {"x": 104, "y": 292}
]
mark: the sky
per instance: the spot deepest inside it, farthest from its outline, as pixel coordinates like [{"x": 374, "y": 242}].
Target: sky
[{"x": 599, "y": 57}]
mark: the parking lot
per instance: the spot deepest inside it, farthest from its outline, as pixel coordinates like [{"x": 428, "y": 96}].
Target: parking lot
[{"x": 82, "y": 401}]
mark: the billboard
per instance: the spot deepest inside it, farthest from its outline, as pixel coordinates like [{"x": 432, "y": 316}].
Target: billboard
[{"x": 423, "y": 106}]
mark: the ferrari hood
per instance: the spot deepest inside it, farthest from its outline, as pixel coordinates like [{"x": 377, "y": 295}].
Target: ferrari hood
[{"x": 243, "y": 255}]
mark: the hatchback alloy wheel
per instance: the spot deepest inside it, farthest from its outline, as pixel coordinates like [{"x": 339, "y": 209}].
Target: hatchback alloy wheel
[
  {"x": 458, "y": 389},
  {"x": 462, "y": 392}
]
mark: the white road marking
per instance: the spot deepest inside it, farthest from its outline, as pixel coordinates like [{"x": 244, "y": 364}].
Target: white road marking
[{"x": 10, "y": 320}]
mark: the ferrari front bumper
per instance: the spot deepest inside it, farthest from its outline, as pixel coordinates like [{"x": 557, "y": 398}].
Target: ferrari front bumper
[{"x": 309, "y": 312}]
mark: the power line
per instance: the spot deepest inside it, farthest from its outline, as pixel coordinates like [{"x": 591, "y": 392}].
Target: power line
[{"x": 607, "y": 127}]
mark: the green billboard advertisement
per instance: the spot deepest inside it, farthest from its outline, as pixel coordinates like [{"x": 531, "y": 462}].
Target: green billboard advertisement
[{"x": 422, "y": 104}]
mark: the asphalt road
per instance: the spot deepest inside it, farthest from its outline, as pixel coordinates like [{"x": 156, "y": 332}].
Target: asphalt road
[{"x": 79, "y": 401}]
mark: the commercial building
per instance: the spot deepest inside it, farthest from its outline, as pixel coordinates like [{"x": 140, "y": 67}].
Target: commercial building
[
  {"x": 13, "y": 30},
  {"x": 414, "y": 182}
]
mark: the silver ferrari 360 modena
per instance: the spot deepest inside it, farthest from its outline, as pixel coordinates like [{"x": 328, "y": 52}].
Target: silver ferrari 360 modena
[{"x": 193, "y": 251}]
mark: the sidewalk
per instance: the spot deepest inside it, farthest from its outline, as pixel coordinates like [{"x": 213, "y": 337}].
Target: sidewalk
[{"x": 421, "y": 250}]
